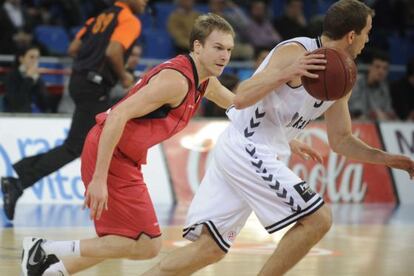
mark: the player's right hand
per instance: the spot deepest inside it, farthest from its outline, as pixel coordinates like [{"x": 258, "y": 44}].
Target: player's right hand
[
  {"x": 96, "y": 198},
  {"x": 401, "y": 162},
  {"x": 306, "y": 63}
]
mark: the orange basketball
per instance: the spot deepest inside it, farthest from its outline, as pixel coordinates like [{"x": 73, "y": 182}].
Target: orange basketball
[{"x": 336, "y": 80}]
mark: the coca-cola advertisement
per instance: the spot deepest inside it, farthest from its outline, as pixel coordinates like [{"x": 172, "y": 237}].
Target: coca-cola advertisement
[{"x": 337, "y": 179}]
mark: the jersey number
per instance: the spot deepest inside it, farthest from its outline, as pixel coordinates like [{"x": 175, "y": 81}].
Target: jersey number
[{"x": 102, "y": 22}]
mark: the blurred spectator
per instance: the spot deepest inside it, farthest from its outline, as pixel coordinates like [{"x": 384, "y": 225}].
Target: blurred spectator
[
  {"x": 92, "y": 8},
  {"x": 259, "y": 55},
  {"x": 118, "y": 92},
  {"x": 402, "y": 94},
  {"x": 239, "y": 20},
  {"x": 99, "y": 49},
  {"x": 65, "y": 13},
  {"x": 260, "y": 30},
  {"x": 371, "y": 96},
  {"x": 24, "y": 90},
  {"x": 230, "y": 81},
  {"x": 15, "y": 27},
  {"x": 315, "y": 26},
  {"x": 292, "y": 23},
  {"x": 180, "y": 23}
]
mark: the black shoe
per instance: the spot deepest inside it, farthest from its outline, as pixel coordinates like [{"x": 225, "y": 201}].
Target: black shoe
[
  {"x": 12, "y": 191},
  {"x": 35, "y": 261}
]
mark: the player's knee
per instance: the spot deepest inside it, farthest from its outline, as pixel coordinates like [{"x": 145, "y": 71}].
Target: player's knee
[
  {"x": 211, "y": 252},
  {"x": 326, "y": 219},
  {"x": 145, "y": 249},
  {"x": 153, "y": 250},
  {"x": 322, "y": 221}
]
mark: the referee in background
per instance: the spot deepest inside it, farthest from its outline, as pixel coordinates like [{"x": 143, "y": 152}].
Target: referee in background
[{"x": 100, "y": 50}]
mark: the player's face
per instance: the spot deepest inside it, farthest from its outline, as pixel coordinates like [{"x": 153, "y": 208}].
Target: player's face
[
  {"x": 138, "y": 6},
  {"x": 216, "y": 51},
  {"x": 361, "y": 39}
]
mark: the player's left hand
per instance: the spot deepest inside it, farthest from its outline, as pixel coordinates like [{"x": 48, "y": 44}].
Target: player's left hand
[
  {"x": 401, "y": 162},
  {"x": 304, "y": 151}
]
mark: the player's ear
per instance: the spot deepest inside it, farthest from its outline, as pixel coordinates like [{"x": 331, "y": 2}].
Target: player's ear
[
  {"x": 351, "y": 37},
  {"x": 197, "y": 46}
]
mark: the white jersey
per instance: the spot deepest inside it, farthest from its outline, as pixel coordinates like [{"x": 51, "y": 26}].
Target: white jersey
[{"x": 282, "y": 114}]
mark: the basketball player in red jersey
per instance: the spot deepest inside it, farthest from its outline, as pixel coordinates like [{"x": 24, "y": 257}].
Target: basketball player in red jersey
[{"x": 158, "y": 106}]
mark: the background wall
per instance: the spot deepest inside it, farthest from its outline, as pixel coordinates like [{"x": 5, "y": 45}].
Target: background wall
[{"x": 176, "y": 167}]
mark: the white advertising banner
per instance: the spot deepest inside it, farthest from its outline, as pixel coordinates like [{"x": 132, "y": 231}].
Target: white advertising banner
[
  {"x": 399, "y": 138},
  {"x": 23, "y": 136}
]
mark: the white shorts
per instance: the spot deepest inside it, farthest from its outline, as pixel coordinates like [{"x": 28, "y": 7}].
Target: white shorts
[{"x": 243, "y": 177}]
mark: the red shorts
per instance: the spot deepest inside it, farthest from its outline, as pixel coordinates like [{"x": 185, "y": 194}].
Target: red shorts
[{"x": 130, "y": 211}]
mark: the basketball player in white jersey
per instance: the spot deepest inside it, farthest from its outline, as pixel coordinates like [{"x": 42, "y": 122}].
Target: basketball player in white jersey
[{"x": 245, "y": 175}]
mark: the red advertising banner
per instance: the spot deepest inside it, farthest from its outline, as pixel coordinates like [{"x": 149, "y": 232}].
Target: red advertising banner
[{"x": 337, "y": 179}]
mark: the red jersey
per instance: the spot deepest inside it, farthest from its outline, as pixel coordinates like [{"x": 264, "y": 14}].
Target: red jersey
[{"x": 142, "y": 133}]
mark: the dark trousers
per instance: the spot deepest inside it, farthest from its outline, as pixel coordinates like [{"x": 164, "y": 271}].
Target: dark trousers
[{"x": 90, "y": 99}]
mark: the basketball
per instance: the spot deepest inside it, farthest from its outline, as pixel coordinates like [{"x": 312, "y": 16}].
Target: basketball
[{"x": 336, "y": 80}]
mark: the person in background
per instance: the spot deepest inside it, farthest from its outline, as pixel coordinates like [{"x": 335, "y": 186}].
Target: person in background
[
  {"x": 259, "y": 55},
  {"x": 180, "y": 23},
  {"x": 402, "y": 94},
  {"x": 118, "y": 92},
  {"x": 15, "y": 27},
  {"x": 100, "y": 49},
  {"x": 293, "y": 22},
  {"x": 236, "y": 16},
  {"x": 25, "y": 91},
  {"x": 371, "y": 96},
  {"x": 260, "y": 30}
]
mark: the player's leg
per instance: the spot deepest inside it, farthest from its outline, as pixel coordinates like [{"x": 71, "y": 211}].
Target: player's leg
[
  {"x": 297, "y": 242},
  {"x": 94, "y": 251},
  {"x": 112, "y": 246},
  {"x": 85, "y": 253},
  {"x": 279, "y": 198},
  {"x": 190, "y": 258},
  {"x": 215, "y": 217}
]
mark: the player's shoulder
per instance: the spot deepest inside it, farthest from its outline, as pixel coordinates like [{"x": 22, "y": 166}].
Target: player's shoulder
[
  {"x": 173, "y": 78},
  {"x": 126, "y": 15},
  {"x": 301, "y": 43}
]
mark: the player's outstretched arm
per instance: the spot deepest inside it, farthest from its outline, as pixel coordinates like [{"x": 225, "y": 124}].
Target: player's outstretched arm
[
  {"x": 219, "y": 94},
  {"x": 287, "y": 63},
  {"x": 342, "y": 141},
  {"x": 167, "y": 87}
]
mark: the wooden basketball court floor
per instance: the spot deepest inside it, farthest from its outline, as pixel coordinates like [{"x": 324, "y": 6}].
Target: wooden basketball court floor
[{"x": 364, "y": 240}]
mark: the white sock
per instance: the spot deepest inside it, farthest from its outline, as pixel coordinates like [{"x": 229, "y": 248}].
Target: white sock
[
  {"x": 62, "y": 248},
  {"x": 57, "y": 269}
]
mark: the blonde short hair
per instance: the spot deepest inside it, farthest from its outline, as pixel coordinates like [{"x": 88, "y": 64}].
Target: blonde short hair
[{"x": 205, "y": 25}]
